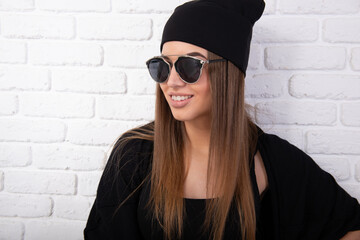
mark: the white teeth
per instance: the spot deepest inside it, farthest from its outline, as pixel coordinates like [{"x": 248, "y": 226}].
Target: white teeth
[{"x": 180, "y": 98}]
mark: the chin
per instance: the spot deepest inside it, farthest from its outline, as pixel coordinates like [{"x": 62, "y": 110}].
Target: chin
[{"x": 181, "y": 118}]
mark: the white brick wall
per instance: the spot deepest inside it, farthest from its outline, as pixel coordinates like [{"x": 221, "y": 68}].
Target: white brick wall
[
  {"x": 89, "y": 81},
  {"x": 1, "y": 180},
  {"x": 342, "y": 30},
  {"x": 74, "y": 5},
  {"x": 305, "y": 113},
  {"x": 305, "y": 58},
  {"x": 8, "y": 104},
  {"x": 319, "y": 6},
  {"x": 12, "y": 51},
  {"x": 338, "y": 167},
  {"x": 20, "y": 205},
  {"x": 274, "y": 29},
  {"x": 68, "y": 157},
  {"x": 56, "y": 229},
  {"x": 24, "y": 78},
  {"x": 115, "y": 28},
  {"x": 16, "y": 5},
  {"x": 11, "y": 230},
  {"x": 39, "y": 182},
  {"x": 14, "y": 155},
  {"x": 57, "y": 105},
  {"x": 355, "y": 59},
  {"x": 64, "y": 53},
  {"x": 322, "y": 86},
  {"x": 31, "y": 130},
  {"x": 73, "y": 78},
  {"x": 333, "y": 141},
  {"x": 37, "y": 26}
]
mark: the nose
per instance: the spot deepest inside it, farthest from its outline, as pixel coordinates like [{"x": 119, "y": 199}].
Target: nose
[{"x": 174, "y": 79}]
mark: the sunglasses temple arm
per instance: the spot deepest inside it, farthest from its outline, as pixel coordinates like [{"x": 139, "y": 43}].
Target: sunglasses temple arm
[{"x": 217, "y": 60}]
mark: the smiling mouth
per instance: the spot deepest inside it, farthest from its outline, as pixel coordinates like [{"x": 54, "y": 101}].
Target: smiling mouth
[{"x": 180, "y": 98}]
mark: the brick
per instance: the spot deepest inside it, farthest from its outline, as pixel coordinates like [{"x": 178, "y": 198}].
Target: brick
[
  {"x": 12, "y": 52},
  {"x": 255, "y": 57},
  {"x": 352, "y": 189},
  {"x": 1, "y": 183},
  {"x": 126, "y": 108},
  {"x": 38, "y": 26},
  {"x": 294, "y": 136},
  {"x": 32, "y": 130},
  {"x": 115, "y": 28},
  {"x": 270, "y": 7},
  {"x": 339, "y": 168},
  {"x": 357, "y": 171},
  {"x": 139, "y": 82},
  {"x": 68, "y": 157},
  {"x": 19, "y": 5},
  {"x": 11, "y": 230},
  {"x": 24, "y": 78},
  {"x": 65, "y": 54},
  {"x": 89, "y": 81},
  {"x": 74, "y": 5},
  {"x": 8, "y": 104},
  {"x": 14, "y": 155},
  {"x": 25, "y": 206},
  {"x": 321, "y": 86},
  {"x": 303, "y": 113},
  {"x": 286, "y": 29},
  {"x": 133, "y": 56},
  {"x": 88, "y": 183},
  {"x": 159, "y": 22},
  {"x": 250, "y": 107},
  {"x": 97, "y": 132},
  {"x": 39, "y": 182},
  {"x": 305, "y": 57},
  {"x": 143, "y": 6},
  {"x": 74, "y": 208},
  {"x": 54, "y": 230},
  {"x": 333, "y": 142},
  {"x": 342, "y": 30},
  {"x": 350, "y": 114},
  {"x": 265, "y": 85},
  {"x": 319, "y": 6},
  {"x": 57, "y": 105},
  {"x": 355, "y": 59}
]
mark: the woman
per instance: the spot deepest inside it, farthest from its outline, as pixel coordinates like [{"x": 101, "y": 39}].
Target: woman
[{"x": 202, "y": 169}]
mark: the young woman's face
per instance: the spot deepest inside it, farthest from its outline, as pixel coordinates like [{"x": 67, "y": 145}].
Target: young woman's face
[{"x": 187, "y": 102}]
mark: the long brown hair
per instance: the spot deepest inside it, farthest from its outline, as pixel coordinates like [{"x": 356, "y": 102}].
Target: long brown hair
[{"x": 233, "y": 140}]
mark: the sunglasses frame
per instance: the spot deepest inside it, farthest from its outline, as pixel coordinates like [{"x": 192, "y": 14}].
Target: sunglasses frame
[{"x": 170, "y": 65}]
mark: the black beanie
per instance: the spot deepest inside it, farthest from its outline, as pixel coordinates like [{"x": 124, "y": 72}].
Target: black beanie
[{"x": 223, "y": 27}]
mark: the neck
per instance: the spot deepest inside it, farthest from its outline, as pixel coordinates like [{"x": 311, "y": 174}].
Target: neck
[{"x": 198, "y": 136}]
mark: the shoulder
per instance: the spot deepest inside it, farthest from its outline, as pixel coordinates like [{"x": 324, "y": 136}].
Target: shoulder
[
  {"x": 290, "y": 169},
  {"x": 274, "y": 143},
  {"x": 127, "y": 166},
  {"x": 135, "y": 145},
  {"x": 307, "y": 199},
  {"x": 285, "y": 160}
]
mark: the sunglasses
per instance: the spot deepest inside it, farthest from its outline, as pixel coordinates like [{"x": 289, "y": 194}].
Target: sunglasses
[{"x": 188, "y": 67}]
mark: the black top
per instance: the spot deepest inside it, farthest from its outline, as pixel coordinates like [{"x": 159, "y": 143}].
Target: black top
[{"x": 301, "y": 202}]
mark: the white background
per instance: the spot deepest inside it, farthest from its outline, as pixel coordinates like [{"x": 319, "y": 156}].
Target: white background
[{"x": 73, "y": 78}]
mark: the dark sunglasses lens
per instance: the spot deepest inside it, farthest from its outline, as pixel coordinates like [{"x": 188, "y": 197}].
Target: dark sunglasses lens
[
  {"x": 188, "y": 69},
  {"x": 158, "y": 69}
]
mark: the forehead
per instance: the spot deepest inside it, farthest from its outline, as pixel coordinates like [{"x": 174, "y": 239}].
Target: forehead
[{"x": 180, "y": 48}]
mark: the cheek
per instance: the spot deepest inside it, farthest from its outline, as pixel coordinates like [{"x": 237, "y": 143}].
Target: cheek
[
  {"x": 204, "y": 92},
  {"x": 163, "y": 88}
]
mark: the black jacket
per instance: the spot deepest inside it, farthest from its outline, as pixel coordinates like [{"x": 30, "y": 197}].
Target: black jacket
[{"x": 302, "y": 201}]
